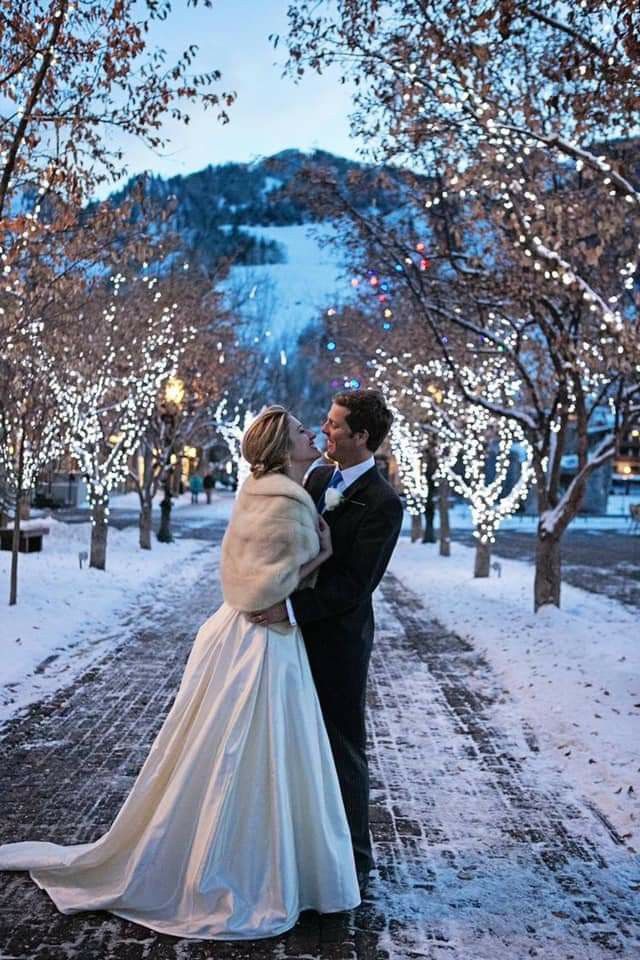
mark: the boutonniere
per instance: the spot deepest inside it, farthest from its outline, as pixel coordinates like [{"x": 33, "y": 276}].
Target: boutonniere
[{"x": 333, "y": 498}]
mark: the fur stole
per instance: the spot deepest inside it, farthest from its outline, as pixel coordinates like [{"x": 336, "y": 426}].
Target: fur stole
[{"x": 272, "y": 532}]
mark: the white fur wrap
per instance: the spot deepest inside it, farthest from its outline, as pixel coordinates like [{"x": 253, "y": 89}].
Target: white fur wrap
[{"x": 272, "y": 532}]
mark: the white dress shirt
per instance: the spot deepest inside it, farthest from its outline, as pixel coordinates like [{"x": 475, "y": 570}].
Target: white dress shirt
[{"x": 349, "y": 476}]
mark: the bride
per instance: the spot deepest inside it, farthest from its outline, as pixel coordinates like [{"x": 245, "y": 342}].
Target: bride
[{"x": 235, "y": 823}]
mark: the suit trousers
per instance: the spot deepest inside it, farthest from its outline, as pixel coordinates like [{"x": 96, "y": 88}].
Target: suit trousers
[{"x": 342, "y": 696}]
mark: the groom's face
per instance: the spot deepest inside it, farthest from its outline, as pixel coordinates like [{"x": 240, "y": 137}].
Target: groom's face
[{"x": 343, "y": 445}]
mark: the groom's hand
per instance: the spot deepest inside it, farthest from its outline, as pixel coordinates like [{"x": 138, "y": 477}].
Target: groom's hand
[{"x": 274, "y": 614}]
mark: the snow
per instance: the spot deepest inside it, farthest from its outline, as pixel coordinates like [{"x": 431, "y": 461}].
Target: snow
[
  {"x": 571, "y": 674},
  {"x": 271, "y": 183},
  {"x": 74, "y": 615},
  {"x": 286, "y": 297}
]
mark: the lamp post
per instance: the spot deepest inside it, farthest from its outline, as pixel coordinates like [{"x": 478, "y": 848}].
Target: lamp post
[{"x": 169, "y": 410}]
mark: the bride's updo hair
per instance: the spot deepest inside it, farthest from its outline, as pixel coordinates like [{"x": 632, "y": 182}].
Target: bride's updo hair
[{"x": 265, "y": 443}]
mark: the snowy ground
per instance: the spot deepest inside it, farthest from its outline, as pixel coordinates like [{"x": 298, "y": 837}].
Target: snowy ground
[
  {"x": 131, "y": 500},
  {"x": 572, "y": 674},
  {"x": 66, "y": 617},
  {"x": 483, "y": 850}
]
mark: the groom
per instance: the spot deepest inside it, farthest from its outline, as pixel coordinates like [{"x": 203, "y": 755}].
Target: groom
[{"x": 336, "y": 615}]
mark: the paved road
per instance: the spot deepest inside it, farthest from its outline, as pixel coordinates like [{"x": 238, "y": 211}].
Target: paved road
[
  {"x": 199, "y": 522},
  {"x": 476, "y": 859}
]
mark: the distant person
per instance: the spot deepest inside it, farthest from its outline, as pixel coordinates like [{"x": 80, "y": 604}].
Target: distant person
[
  {"x": 196, "y": 486},
  {"x": 209, "y": 484}
]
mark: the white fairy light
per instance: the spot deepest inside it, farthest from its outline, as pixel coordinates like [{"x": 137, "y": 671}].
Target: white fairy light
[
  {"x": 232, "y": 425},
  {"x": 463, "y": 431},
  {"x": 106, "y": 414}
]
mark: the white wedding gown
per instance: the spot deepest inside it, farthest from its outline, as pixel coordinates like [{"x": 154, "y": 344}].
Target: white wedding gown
[{"x": 235, "y": 822}]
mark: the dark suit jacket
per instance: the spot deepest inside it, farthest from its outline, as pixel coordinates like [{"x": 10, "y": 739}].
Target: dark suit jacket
[{"x": 336, "y": 616}]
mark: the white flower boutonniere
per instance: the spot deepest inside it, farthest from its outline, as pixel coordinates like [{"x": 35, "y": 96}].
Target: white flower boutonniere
[{"x": 333, "y": 498}]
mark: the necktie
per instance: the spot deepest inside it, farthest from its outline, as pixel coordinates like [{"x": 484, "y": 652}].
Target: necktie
[{"x": 335, "y": 482}]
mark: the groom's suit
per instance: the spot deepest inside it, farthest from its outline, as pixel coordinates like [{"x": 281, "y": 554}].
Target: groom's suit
[{"x": 336, "y": 619}]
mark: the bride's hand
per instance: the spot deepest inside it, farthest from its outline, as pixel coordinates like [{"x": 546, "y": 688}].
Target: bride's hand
[{"x": 324, "y": 533}]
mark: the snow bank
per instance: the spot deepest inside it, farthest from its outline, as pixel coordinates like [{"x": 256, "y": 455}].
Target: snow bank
[
  {"x": 572, "y": 674},
  {"x": 66, "y": 616}
]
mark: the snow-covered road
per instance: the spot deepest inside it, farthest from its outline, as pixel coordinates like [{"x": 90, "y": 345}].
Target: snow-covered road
[{"x": 484, "y": 853}]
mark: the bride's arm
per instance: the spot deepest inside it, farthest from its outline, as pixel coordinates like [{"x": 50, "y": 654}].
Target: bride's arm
[{"x": 326, "y": 549}]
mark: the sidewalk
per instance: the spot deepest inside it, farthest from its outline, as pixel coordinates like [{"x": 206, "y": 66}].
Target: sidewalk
[{"x": 477, "y": 859}]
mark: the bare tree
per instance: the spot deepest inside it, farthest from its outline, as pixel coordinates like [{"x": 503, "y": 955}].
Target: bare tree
[
  {"x": 523, "y": 213},
  {"x": 475, "y": 446},
  {"x": 31, "y": 431},
  {"x": 78, "y": 77},
  {"x": 568, "y": 363},
  {"x": 131, "y": 344},
  {"x": 185, "y": 409}
]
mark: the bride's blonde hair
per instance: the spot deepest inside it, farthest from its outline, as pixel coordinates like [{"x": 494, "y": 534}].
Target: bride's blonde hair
[{"x": 265, "y": 443}]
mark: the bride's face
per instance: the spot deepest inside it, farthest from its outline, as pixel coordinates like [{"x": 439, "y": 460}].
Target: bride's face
[{"x": 302, "y": 448}]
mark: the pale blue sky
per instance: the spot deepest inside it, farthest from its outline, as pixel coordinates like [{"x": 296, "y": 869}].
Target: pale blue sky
[{"x": 270, "y": 114}]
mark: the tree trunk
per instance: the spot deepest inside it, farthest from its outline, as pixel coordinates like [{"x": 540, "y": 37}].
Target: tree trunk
[
  {"x": 146, "y": 491},
  {"x": 416, "y": 527},
  {"x": 164, "y": 533},
  {"x": 429, "y": 535},
  {"x": 99, "y": 529},
  {"x": 144, "y": 523},
  {"x": 546, "y": 589},
  {"x": 443, "y": 508},
  {"x": 15, "y": 543},
  {"x": 483, "y": 559}
]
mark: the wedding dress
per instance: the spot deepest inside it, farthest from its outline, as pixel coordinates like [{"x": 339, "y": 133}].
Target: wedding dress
[{"x": 235, "y": 822}]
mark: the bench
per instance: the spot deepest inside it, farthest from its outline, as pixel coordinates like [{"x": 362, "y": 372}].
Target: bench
[{"x": 29, "y": 541}]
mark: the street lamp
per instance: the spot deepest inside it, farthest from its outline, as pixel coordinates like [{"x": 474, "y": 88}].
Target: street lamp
[
  {"x": 169, "y": 410},
  {"x": 174, "y": 392}
]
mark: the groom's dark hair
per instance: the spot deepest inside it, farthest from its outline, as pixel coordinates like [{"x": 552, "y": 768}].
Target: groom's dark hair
[{"x": 367, "y": 411}]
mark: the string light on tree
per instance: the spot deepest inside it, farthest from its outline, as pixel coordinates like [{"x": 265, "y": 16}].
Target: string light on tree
[
  {"x": 107, "y": 400},
  {"x": 472, "y": 438},
  {"x": 232, "y": 425}
]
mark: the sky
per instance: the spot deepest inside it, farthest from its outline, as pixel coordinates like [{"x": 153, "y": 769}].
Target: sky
[{"x": 271, "y": 113}]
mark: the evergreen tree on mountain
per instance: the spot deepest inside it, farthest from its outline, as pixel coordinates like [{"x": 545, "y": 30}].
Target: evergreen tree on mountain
[{"x": 213, "y": 207}]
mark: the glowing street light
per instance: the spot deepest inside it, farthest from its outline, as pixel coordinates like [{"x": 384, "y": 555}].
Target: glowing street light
[{"x": 174, "y": 392}]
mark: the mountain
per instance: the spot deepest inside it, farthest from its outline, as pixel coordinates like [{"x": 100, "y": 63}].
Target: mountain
[
  {"x": 288, "y": 263},
  {"x": 215, "y": 207}
]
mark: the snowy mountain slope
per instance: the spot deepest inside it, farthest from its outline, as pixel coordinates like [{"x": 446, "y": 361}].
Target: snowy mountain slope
[
  {"x": 261, "y": 217},
  {"x": 279, "y": 300}
]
